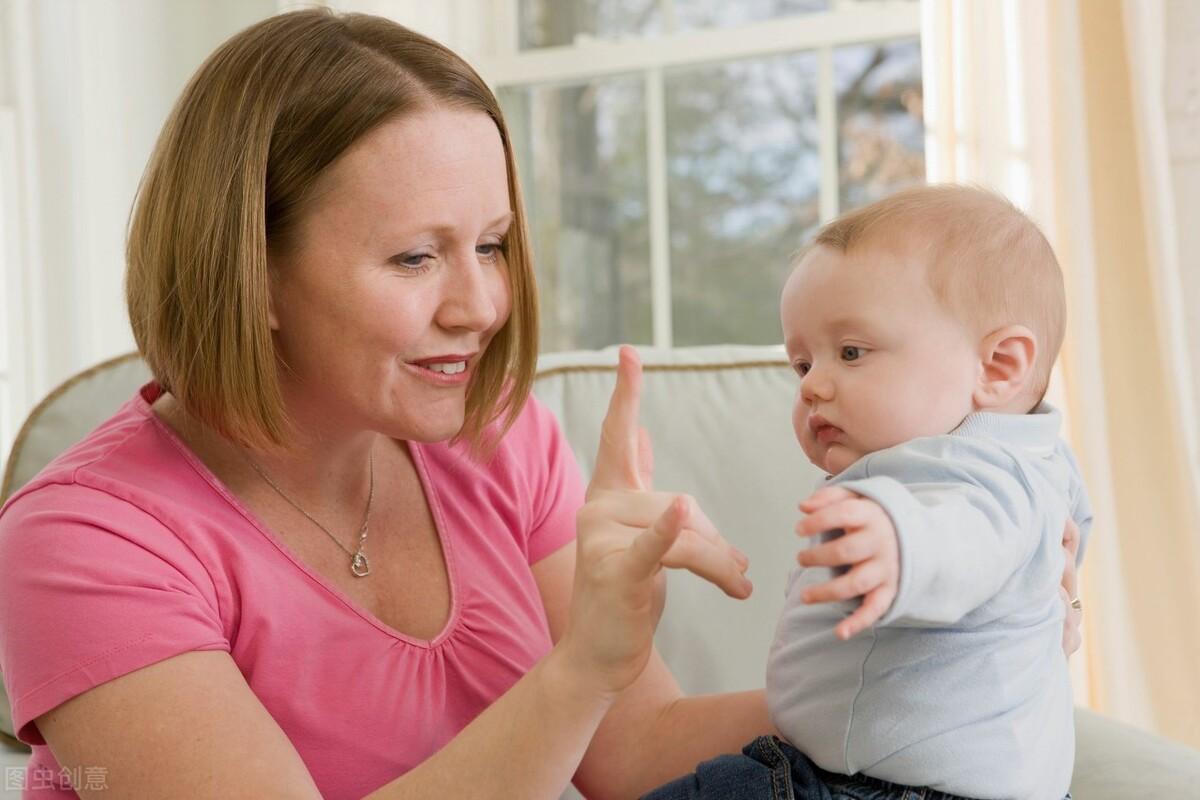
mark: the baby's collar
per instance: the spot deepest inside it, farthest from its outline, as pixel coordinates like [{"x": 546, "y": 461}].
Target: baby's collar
[{"x": 1036, "y": 431}]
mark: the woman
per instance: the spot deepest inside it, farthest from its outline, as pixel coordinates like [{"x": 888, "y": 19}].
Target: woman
[{"x": 329, "y": 550}]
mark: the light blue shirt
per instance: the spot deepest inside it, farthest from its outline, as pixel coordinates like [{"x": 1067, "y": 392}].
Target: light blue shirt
[{"x": 962, "y": 686}]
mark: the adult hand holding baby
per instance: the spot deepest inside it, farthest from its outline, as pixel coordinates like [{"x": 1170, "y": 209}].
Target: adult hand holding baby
[
  {"x": 1069, "y": 590},
  {"x": 626, "y": 534},
  {"x": 869, "y": 548}
]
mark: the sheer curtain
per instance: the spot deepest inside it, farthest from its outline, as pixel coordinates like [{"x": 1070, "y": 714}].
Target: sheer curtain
[{"x": 1053, "y": 104}]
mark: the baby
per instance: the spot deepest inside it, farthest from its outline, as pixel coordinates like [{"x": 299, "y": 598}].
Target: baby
[{"x": 923, "y": 329}]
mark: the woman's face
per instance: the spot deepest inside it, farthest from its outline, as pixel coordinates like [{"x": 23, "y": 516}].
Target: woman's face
[{"x": 395, "y": 282}]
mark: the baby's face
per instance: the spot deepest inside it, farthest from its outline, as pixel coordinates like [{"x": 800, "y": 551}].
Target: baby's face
[{"x": 880, "y": 361}]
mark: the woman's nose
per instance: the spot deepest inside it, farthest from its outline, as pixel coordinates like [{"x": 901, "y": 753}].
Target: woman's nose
[{"x": 471, "y": 295}]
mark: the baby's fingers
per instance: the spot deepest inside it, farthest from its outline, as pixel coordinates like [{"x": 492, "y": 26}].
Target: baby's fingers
[
  {"x": 849, "y": 549},
  {"x": 847, "y": 514},
  {"x": 874, "y": 605},
  {"x": 855, "y": 583},
  {"x": 823, "y": 497}
]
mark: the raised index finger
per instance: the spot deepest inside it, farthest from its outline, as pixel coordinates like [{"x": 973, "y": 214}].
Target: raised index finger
[{"x": 617, "y": 465}]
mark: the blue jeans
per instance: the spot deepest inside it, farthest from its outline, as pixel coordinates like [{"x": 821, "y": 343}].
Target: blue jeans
[{"x": 771, "y": 769}]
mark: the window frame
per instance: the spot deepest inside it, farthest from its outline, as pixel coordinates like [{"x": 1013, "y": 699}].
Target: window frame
[{"x": 847, "y": 22}]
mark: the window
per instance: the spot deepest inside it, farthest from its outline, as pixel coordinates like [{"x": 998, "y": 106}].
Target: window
[{"x": 674, "y": 154}]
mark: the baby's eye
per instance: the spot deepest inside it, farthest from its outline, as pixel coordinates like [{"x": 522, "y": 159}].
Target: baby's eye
[
  {"x": 851, "y": 353},
  {"x": 802, "y": 368}
]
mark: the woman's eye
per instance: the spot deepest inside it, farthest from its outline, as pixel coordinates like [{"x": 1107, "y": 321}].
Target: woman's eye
[
  {"x": 413, "y": 261},
  {"x": 851, "y": 353},
  {"x": 490, "y": 251}
]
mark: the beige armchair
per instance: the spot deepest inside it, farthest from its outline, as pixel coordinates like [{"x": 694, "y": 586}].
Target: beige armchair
[{"x": 720, "y": 421}]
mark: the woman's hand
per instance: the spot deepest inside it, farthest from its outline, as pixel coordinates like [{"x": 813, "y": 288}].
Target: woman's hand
[
  {"x": 626, "y": 534},
  {"x": 1069, "y": 591}
]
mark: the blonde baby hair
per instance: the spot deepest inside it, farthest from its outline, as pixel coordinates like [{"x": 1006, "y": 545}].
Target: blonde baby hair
[{"x": 985, "y": 260}]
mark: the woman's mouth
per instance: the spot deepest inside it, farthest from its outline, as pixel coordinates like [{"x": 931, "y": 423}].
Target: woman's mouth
[{"x": 447, "y": 370}]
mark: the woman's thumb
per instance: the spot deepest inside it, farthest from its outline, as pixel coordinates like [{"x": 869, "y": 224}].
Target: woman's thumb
[{"x": 647, "y": 551}]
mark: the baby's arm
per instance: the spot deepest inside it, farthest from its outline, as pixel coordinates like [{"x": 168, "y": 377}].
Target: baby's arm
[
  {"x": 929, "y": 536},
  {"x": 868, "y": 547}
]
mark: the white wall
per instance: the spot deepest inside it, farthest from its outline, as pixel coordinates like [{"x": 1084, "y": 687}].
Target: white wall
[{"x": 91, "y": 82}]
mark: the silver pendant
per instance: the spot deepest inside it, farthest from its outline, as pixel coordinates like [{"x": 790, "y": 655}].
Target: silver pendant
[{"x": 359, "y": 565}]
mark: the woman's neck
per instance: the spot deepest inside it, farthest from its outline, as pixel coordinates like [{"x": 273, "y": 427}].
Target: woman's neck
[{"x": 317, "y": 469}]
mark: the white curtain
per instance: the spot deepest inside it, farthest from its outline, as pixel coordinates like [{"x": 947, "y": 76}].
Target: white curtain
[
  {"x": 85, "y": 86},
  {"x": 1053, "y": 104}
]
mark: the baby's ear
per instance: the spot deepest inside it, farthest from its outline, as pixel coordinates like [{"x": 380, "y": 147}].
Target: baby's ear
[{"x": 1007, "y": 358}]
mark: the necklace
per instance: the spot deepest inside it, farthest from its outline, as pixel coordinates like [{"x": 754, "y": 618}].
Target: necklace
[{"x": 359, "y": 565}]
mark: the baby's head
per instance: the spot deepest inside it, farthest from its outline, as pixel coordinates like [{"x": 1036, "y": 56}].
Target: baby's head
[{"x": 903, "y": 317}]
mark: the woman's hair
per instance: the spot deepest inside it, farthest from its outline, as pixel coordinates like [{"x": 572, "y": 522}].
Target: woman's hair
[{"x": 252, "y": 133}]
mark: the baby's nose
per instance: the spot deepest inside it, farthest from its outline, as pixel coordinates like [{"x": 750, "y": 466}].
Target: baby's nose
[{"x": 817, "y": 385}]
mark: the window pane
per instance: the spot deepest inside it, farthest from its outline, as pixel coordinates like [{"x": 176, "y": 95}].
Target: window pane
[
  {"x": 724, "y": 14},
  {"x": 743, "y": 171},
  {"x": 581, "y": 152},
  {"x": 549, "y": 23},
  {"x": 881, "y": 146}
]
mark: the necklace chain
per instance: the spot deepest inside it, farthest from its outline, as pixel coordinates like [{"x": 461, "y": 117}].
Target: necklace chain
[{"x": 359, "y": 565}]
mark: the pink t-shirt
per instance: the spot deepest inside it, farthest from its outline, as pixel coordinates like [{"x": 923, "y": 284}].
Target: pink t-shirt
[{"x": 126, "y": 550}]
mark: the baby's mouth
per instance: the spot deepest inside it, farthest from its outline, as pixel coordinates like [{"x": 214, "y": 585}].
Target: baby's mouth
[
  {"x": 823, "y": 430},
  {"x": 827, "y": 434}
]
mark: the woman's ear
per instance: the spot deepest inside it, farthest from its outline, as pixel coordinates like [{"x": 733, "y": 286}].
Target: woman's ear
[
  {"x": 272, "y": 320},
  {"x": 1007, "y": 357},
  {"x": 272, "y": 290}
]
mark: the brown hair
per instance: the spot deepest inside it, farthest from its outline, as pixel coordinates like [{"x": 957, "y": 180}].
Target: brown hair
[
  {"x": 985, "y": 260},
  {"x": 254, "y": 129}
]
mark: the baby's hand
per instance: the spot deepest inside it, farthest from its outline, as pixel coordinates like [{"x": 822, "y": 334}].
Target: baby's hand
[{"x": 869, "y": 547}]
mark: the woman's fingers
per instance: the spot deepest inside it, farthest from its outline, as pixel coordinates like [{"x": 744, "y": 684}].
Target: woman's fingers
[
  {"x": 700, "y": 548},
  {"x": 1072, "y": 636},
  {"x": 1071, "y": 539},
  {"x": 1070, "y": 578},
  {"x": 715, "y": 562},
  {"x": 645, "y": 459},
  {"x": 646, "y": 552},
  {"x": 639, "y": 509},
  {"x": 618, "y": 463}
]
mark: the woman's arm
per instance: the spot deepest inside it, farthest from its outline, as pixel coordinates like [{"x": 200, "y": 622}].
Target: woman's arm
[
  {"x": 190, "y": 726},
  {"x": 653, "y": 733}
]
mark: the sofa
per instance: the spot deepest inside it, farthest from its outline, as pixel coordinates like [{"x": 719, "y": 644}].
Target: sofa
[{"x": 719, "y": 418}]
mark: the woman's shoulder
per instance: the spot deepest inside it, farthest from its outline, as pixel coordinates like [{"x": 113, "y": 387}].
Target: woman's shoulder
[{"x": 130, "y": 456}]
